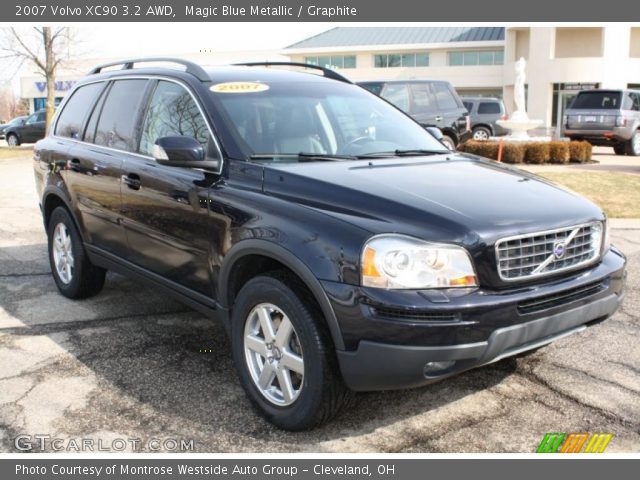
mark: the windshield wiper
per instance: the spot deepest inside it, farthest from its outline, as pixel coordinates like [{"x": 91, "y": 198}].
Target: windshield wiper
[
  {"x": 403, "y": 153},
  {"x": 303, "y": 156}
]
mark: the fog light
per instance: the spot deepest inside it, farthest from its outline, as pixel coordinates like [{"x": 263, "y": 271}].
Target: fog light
[{"x": 433, "y": 368}]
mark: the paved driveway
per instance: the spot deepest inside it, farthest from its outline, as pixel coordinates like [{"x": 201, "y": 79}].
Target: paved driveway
[{"x": 133, "y": 364}]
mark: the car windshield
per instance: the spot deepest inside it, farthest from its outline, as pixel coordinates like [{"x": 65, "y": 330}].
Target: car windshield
[
  {"x": 597, "y": 101},
  {"x": 330, "y": 119}
]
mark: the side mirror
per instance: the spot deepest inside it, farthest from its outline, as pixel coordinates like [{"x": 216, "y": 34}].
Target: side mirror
[
  {"x": 181, "y": 151},
  {"x": 435, "y": 133}
]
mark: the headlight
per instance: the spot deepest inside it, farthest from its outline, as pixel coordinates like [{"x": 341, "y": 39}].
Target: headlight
[{"x": 397, "y": 262}]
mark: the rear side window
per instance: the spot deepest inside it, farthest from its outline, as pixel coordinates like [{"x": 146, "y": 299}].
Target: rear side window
[
  {"x": 444, "y": 96},
  {"x": 172, "y": 112},
  {"x": 116, "y": 126},
  {"x": 75, "y": 111},
  {"x": 489, "y": 107},
  {"x": 423, "y": 99},
  {"x": 398, "y": 95},
  {"x": 597, "y": 100}
]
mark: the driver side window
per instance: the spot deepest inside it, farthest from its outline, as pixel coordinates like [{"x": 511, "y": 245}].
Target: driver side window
[{"x": 173, "y": 112}]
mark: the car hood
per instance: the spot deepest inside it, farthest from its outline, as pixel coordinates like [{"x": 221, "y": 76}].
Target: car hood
[{"x": 454, "y": 197}]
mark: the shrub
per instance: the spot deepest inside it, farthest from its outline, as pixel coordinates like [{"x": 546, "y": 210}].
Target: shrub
[
  {"x": 559, "y": 152},
  {"x": 536, "y": 152},
  {"x": 486, "y": 149},
  {"x": 580, "y": 151},
  {"x": 513, "y": 153}
]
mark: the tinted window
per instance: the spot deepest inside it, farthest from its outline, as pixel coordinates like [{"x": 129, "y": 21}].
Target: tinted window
[
  {"x": 423, "y": 99},
  {"x": 32, "y": 119},
  {"x": 636, "y": 101},
  {"x": 398, "y": 95},
  {"x": 373, "y": 87},
  {"x": 116, "y": 127},
  {"x": 172, "y": 112},
  {"x": 488, "y": 107},
  {"x": 41, "y": 117},
  {"x": 468, "y": 106},
  {"x": 444, "y": 96},
  {"x": 75, "y": 111},
  {"x": 597, "y": 100}
]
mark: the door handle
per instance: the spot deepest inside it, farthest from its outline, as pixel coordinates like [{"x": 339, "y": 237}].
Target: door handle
[
  {"x": 132, "y": 180},
  {"x": 438, "y": 118}
]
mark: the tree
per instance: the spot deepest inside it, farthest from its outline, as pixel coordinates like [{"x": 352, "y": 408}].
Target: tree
[{"x": 44, "y": 47}]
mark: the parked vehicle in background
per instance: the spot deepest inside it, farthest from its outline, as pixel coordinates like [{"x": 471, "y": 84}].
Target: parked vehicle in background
[
  {"x": 432, "y": 103},
  {"x": 11, "y": 123},
  {"x": 340, "y": 244},
  {"x": 606, "y": 117},
  {"x": 32, "y": 130},
  {"x": 484, "y": 113}
]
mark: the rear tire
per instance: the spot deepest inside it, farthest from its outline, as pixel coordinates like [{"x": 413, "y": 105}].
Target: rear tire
[
  {"x": 633, "y": 145},
  {"x": 481, "y": 133},
  {"x": 304, "y": 363},
  {"x": 13, "y": 140},
  {"x": 72, "y": 271},
  {"x": 448, "y": 142}
]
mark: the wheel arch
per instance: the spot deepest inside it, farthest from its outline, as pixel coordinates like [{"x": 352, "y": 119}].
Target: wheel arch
[
  {"x": 52, "y": 198},
  {"x": 274, "y": 255},
  {"x": 483, "y": 125}
]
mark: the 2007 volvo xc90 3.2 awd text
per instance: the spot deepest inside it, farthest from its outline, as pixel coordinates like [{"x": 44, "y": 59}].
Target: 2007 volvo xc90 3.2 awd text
[{"x": 342, "y": 246}]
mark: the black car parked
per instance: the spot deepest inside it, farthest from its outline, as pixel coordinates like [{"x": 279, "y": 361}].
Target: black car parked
[
  {"x": 32, "y": 130},
  {"x": 342, "y": 246},
  {"x": 432, "y": 103},
  {"x": 484, "y": 113},
  {"x": 12, "y": 123}
]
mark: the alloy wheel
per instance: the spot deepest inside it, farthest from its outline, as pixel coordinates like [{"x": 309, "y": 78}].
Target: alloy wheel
[
  {"x": 63, "y": 253},
  {"x": 273, "y": 354},
  {"x": 480, "y": 135}
]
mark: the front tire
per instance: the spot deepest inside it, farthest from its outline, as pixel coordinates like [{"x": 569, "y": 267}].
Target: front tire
[
  {"x": 284, "y": 355},
  {"x": 13, "y": 140},
  {"x": 73, "y": 273}
]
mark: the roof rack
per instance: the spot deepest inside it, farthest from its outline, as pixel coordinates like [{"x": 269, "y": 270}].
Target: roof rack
[
  {"x": 327, "y": 72},
  {"x": 192, "y": 68}
]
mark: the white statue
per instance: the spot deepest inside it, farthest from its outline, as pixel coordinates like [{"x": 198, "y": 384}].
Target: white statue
[
  {"x": 518, "y": 90},
  {"x": 519, "y": 123}
]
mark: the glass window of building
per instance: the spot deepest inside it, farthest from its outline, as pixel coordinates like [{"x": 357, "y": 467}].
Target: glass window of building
[
  {"x": 406, "y": 60},
  {"x": 476, "y": 57},
  {"x": 333, "y": 61}
]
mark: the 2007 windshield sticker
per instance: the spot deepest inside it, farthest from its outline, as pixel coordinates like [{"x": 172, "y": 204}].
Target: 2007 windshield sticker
[{"x": 239, "y": 87}]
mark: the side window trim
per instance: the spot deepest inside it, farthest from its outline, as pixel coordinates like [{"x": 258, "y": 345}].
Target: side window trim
[
  {"x": 99, "y": 104},
  {"x": 195, "y": 97}
]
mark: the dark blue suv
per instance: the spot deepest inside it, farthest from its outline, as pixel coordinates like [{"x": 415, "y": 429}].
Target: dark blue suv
[{"x": 342, "y": 246}]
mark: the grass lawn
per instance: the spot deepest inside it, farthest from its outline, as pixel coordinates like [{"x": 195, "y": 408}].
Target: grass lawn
[
  {"x": 15, "y": 152},
  {"x": 617, "y": 193}
]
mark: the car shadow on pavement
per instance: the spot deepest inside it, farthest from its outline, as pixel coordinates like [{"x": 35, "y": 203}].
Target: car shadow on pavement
[{"x": 147, "y": 366}]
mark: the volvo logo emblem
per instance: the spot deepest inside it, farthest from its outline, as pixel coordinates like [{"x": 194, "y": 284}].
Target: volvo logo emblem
[{"x": 559, "y": 249}]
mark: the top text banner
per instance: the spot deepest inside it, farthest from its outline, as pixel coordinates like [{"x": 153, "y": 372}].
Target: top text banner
[{"x": 64, "y": 11}]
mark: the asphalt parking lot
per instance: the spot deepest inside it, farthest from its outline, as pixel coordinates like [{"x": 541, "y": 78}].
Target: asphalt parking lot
[{"x": 131, "y": 363}]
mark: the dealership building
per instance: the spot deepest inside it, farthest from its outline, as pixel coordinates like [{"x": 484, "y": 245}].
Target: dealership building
[
  {"x": 477, "y": 60},
  {"x": 480, "y": 60}
]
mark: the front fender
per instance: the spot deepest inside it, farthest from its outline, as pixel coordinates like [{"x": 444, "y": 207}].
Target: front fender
[{"x": 284, "y": 256}]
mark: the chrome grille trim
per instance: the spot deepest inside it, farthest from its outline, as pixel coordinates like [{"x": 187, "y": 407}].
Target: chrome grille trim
[{"x": 531, "y": 255}]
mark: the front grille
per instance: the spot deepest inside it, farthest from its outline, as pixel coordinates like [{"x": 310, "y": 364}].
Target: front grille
[
  {"x": 544, "y": 253},
  {"x": 415, "y": 314},
  {"x": 558, "y": 299}
]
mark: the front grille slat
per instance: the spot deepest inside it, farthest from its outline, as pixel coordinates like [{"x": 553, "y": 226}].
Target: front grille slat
[
  {"x": 558, "y": 299},
  {"x": 519, "y": 257}
]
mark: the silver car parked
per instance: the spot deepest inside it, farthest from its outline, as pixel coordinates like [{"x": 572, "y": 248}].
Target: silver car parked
[{"x": 606, "y": 117}]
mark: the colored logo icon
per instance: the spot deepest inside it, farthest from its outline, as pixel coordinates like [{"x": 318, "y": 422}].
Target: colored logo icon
[{"x": 574, "y": 443}]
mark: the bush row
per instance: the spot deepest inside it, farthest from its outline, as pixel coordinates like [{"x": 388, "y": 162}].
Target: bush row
[{"x": 531, "y": 152}]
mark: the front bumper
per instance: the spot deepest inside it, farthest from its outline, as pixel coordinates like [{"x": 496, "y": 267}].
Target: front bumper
[{"x": 441, "y": 334}]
